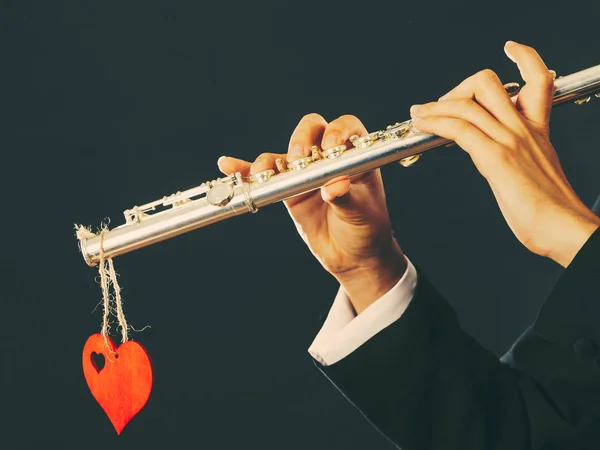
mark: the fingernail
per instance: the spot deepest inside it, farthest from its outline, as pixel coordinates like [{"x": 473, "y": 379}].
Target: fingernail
[
  {"x": 221, "y": 159},
  {"x": 296, "y": 151},
  {"x": 325, "y": 195},
  {"x": 507, "y": 46},
  {"x": 330, "y": 141},
  {"x": 414, "y": 109}
]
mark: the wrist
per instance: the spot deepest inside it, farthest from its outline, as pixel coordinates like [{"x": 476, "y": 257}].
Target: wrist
[
  {"x": 366, "y": 284},
  {"x": 569, "y": 242}
]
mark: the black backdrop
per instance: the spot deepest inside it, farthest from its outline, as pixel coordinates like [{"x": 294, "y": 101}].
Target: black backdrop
[{"x": 111, "y": 103}]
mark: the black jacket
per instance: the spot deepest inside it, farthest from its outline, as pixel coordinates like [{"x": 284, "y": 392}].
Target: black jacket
[{"x": 426, "y": 384}]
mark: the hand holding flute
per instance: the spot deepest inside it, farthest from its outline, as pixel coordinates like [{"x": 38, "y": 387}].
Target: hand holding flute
[
  {"x": 510, "y": 146},
  {"x": 346, "y": 224}
]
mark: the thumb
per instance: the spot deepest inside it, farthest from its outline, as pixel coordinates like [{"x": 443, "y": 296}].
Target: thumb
[
  {"x": 341, "y": 196},
  {"x": 535, "y": 99}
]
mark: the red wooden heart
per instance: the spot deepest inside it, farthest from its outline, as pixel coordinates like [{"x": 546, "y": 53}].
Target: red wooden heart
[{"x": 122, "y": 386}]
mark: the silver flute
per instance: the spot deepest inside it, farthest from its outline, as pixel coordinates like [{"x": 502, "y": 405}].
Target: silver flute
[{"x": 233, "y": 195}]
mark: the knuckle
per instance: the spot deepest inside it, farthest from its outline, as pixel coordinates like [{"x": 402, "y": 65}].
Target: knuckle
[
  {"x": 528, "y": 48},
  {"x": 487, "y": 76},
  {"x": 543, "y": 77},
  {"x": 463, "y": 126},
  {"x": 342, "y": 124},
  {"x": 512, "y": 142},
  {"x": 312, "y": 117},
  {"x": 263, "y": 157},
  {"x": 506, "y": 155},
  {"x": 346, "y": 125},
  {"x": 348, "y": 118},
  {"x": 309, "y": 125},
  {"x": 301, "y": 137},
  {"x": 334, "y": 129},
  {"x": 465, "y": 103}
]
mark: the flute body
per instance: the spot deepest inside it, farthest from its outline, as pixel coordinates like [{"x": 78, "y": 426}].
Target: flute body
[{"x": 223, "y": 198}]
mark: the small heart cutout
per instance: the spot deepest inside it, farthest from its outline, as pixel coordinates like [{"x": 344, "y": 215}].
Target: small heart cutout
[
  {"x": 98, "y": 361},
  {"x": 120, "y": 382}
]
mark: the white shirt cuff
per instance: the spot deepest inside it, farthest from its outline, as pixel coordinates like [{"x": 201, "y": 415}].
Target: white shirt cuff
[{"x": 344, "y": 331}]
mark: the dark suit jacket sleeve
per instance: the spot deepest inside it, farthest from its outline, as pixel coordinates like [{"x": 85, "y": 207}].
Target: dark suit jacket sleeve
[{"x": 425, "y": 384}]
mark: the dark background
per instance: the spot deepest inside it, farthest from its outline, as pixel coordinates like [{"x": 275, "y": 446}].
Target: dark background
[{"x": 108, "y": 104}]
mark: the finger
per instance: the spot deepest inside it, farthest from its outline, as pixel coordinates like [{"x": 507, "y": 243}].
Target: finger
[
  {"x": 486, "y": 89},
  {"x": 339, "y": 193},
  {"x": 535, "y": 98},
  {"x": 351, "y": 202},
  {"x": 264, "y": 161},
  {"x": 469, "y": 111},
  {"x": 470, "y": 138},
  {"x": 307, "y": 133},
  {"x": 229, "y": 165},
  {"x": 339, "y": 131},
  {"x": 334, "y": 189}
]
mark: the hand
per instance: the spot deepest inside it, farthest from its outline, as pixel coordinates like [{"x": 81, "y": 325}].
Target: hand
[
  {"x": 511, "y": 148},
  {"x": 346, "y": 223}
]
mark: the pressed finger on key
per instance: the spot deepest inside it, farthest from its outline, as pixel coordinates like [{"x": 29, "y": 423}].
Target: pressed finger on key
[
  {"x": 486, "y": 89},
  {"x": 468, "y": 110},
  {"x": 229, "y": 165},
  {"x": 264, "y": 161},
  {"x": 483, "y": 150},
  {"x": 339, "y": 131},
  {"x": 308, "y": 132}
]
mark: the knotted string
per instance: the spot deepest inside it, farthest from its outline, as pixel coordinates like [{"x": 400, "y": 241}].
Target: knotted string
[
  {"x": 119, "y": 302},
  {"x": 108, "y": 277},
  {"x": 104, "y": 283}
]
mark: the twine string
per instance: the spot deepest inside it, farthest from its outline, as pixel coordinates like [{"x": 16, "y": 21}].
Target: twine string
[
  {"x": 104, "y": 284},
  {"x": 108, "y": 277},
  {"x": 118, "y": 301}
]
